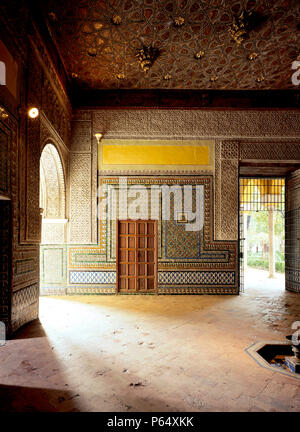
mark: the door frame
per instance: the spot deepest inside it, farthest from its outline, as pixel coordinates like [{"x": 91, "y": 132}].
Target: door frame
[
  {"x": 288, "y": 191},
  {"x": 241, "y": 267}
]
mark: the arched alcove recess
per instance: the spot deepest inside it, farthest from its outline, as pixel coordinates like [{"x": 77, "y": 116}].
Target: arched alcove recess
[{"x": 52, "y": 196}]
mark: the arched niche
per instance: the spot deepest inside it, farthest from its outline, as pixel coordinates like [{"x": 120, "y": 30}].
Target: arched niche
[{"x": 52, "y": 196}]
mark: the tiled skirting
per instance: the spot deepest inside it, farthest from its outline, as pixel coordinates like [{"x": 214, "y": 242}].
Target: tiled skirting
[
  {"x": 162, "y": 290},
  {"x": 95, "y": 289},
  {"x": 196, "y": 278},
  {"x": 164, "y": 278},
  {"x": 44, "y": 291},
  {"x": 293, "y": 280},
  {"x": 168, "y": 290},
  {"x": 92, "y": 277}
]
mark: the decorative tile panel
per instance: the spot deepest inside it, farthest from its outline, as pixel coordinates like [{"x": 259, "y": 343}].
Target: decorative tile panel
[
  {"x": 86, "y": 258},
  {"x": 25, "y": 306},
  {"x": 52, "y": 291},
  {"x": 106, "y": 289},
  {"x": 177, "y": 290},
  {"x": 24, "y": 298},
  {"x": 196, "y": 278},
  {"x": 293, "y": 276},
  {"x": 177, "y": 247},
  {"x": 190, "y": 261},
  {"x": 92, "y": 277}
]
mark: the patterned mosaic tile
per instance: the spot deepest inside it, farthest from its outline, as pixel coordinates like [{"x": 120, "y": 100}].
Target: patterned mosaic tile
[
  {"x": 293, "y": 275},
  {"x": 293, "y": 279},
  {"x": 86, "y": 258},
  {"x": 45, "y": 291},
  {"x": 164, "y": 278},
  {"x": 92, "y": 277},
  {"x": 220, "y": 290},
  {"x": 179, "y": 243},
  {"x": 196, "y": 278},
  {"x": 24, "y": 306},
  {"x": 91, "y": 290},
  {"x": 24, "y": 298}
]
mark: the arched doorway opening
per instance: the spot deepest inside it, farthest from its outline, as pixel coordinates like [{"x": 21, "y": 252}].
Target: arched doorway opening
[{"x": 53, "y": 215}]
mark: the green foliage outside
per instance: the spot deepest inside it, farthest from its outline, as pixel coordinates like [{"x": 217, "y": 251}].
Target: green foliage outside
[
  {"x": 258, "y": 238},
  {"x": 264, "y": 265}
]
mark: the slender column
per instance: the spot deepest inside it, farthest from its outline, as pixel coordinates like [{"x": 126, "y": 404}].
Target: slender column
[
  {"x": 271, "y": 244},
  {"x": 245, "y": 216}
]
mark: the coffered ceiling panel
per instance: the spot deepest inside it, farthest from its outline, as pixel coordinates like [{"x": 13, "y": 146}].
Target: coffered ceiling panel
[{"x": 98, "y": 41}]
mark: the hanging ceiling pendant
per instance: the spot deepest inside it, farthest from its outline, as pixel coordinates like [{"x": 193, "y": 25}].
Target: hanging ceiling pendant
[
  {"x": 239, "y": 27},
  {"x": 147, "y": 56}
]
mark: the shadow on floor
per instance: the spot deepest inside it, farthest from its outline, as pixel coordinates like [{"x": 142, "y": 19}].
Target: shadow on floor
[
  {"x": 26, "y": 399},
  {"x": 34, "y": 329},
  {"x": 161, "y": 305}
]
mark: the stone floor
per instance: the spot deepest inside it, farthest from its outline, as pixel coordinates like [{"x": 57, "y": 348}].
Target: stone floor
[
  {"x": 149, "y": 353},
  {"x": 259, "y": 282}
]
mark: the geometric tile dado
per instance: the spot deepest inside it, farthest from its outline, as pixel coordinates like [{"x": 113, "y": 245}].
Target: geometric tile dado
[
  {"x": 92, "y": 277},
  {"x": 194, "y": 278},
  {"x": 193, "y": 289},
  {"x": 164, "y": 278}
]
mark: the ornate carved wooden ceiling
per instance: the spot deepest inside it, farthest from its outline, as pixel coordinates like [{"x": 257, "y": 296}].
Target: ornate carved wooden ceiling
[{"x": 98, "y": 41}]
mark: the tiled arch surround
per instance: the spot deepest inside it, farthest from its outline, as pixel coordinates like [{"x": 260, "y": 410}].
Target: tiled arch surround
[{"x": 238, "y": 136}]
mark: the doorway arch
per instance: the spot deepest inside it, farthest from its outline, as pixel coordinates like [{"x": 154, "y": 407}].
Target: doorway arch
[
  {"x": 53, "y": 272},
  {"x": 52, "y": 196}
]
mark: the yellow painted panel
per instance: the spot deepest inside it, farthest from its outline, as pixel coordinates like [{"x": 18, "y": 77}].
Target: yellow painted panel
[{"x": 155, "y": 154}]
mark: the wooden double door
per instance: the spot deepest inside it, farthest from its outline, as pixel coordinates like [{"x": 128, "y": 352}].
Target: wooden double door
[{"x": 136, "y": 256}]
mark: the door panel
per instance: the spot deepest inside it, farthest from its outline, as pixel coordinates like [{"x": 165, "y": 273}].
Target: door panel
[
  {"x": 137, "y": 256},
  {"x": 292, "y": 246}
]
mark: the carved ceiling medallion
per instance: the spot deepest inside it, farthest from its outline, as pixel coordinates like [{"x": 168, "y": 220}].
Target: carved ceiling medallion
[{"x": 102, "y": 40}]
